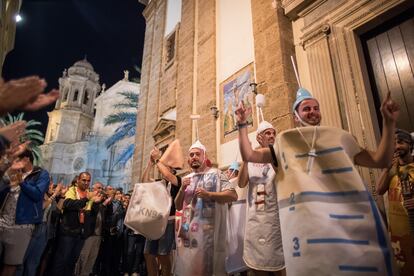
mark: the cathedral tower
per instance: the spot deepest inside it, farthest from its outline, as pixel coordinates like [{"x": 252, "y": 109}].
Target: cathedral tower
[{"x": 72, "y": 118}]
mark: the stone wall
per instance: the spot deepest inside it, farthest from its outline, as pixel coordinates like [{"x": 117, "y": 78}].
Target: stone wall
[{"x": 273, "y": 41}]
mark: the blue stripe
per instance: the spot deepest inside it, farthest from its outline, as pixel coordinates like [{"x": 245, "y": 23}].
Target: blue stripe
[
  {"x": 325, "y": 151},
  {"x": 346, "y": 216},
  {"x": 348, "y": 193},
  {"x": 337, "y": 170},
  {"x": 358, "y": 268},
  {"x": 296, "y": 254},
  {"x": 352, "y": 196},
  {"x": 382, "y": 236},
  {"x": 338, "y": 240},
  {"x": 321, "y": 152}
]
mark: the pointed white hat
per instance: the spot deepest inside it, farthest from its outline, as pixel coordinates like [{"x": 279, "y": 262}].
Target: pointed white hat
[
  {"x": 198, "y": 145},
  {"x": 263, "y": 126}
]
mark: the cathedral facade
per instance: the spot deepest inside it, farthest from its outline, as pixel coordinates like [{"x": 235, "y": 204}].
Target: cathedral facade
[{"x": 76, "y": 133}]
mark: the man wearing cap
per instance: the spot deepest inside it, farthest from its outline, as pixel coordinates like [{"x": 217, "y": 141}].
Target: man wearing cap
[
  {"x": 398, "y": 181},
  {"x": 329, "y": 221},
  {"x": 201, "y": 247},
  {"x": 263, "y": 251}
]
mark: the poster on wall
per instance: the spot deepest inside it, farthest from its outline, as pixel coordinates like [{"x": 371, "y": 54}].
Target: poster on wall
[{"x": 234, "y": 90}]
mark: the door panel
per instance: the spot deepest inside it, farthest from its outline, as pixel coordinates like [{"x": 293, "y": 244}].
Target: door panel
[{"x": 391, "y": 56}]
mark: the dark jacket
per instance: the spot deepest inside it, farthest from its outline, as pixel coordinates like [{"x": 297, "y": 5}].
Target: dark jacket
[
  {"x": 70, "y": 224},
  {"x": 29, "y": 209},
  {"x": 113, "y": 219}
]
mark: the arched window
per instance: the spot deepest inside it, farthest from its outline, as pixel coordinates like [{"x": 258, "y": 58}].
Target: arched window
[
  {"x": 75, "y": 96},
  {"x": 86, "y": 97}
]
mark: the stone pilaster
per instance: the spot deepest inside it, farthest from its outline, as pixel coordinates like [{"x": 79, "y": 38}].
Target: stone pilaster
[{"x": 273, "y": 44}]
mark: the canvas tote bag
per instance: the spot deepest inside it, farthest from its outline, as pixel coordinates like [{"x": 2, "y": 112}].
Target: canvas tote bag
[{"x": 149, "y": 209}]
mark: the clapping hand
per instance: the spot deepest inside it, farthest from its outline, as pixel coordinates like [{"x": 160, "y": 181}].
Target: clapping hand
[
  {"x": 13, "y": 132},
  {"x": 42, "y": 100},
  {"x": 58, "y": 189},
  {"x": 95, "y": 196},
  {"x": 25, "y": 93}
]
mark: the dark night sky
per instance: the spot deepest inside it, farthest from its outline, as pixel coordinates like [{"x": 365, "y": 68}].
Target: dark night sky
[{"x": 54, "y": 34}]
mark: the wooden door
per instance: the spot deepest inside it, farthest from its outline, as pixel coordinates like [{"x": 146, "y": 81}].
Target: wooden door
[{"x": 390, "y": 54}]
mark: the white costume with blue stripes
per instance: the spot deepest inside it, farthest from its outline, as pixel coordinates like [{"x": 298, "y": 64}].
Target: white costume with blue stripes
[{"x": 330, "y": 223}]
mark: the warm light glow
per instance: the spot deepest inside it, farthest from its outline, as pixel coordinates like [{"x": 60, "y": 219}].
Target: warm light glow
[{"x": 18, "y": 18}]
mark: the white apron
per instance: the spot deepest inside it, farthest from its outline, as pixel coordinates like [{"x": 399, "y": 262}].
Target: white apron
[
  {"x": 236, "y": 221},
  {"x": 262, "y": 240},
  {"x": 201, "y": 233},
  {"x": 330, "y": 223}
]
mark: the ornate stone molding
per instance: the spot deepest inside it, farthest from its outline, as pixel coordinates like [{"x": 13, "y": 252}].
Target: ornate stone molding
[
  {"x": 294, "y": 7},
  {"x": 363, "y": 11},
  {"x": 150, "y": 9},
  {"x": 144, "y": 2},
  {"x": 163, "y": 130},
  {"x": 315, "y": 35}
]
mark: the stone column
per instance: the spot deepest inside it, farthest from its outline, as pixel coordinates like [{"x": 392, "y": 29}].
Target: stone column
[
  {"x": 273, "y": 44},
  {"x": 322, "y": 75},
  {"x": 147, "y": 118},
  {"x": 185, "y": 53}
]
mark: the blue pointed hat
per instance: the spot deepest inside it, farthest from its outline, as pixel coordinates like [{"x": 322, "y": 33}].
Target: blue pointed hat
[
  {"x": 234, "y": 166},
  {"x": 301, "y": 95}
]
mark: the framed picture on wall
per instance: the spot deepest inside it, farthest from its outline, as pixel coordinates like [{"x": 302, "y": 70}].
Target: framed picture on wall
[{"x": 234, "y": 90}]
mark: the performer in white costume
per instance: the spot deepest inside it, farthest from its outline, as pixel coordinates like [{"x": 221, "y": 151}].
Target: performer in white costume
[
  {"x": 330, "y": 224},
  {"x": 236, "y": 222},
  {"x": 262, "y": 250},
  {"x": 201, "y": 234}
]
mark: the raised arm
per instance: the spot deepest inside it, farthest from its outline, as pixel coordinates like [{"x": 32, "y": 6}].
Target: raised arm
[
  {"x": 248, "y": 154},
  {"x": 146, "y": 174},
  {"x": 383, "y": 155},
  {"x": 383, "y": 183},
  {"x": 243, "y": 175},
  {"x": 163, "y": 169}
]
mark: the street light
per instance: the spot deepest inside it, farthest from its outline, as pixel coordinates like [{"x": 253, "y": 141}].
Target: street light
[{"x": 18, "y": 18}]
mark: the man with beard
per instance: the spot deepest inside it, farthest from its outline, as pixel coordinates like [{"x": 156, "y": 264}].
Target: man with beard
[
  {"x": 263, "y": 251},
  {"x": 398, "y": 181},
  {"x": 329, "y": 221},
  {"x": 93, "y": 231},
  {"x": 79, "y": 211},
  {"x": 201, "y": 246}
]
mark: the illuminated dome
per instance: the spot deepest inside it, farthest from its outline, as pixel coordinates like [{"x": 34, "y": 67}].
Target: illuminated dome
[{"x": 83, "y": 63}]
